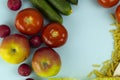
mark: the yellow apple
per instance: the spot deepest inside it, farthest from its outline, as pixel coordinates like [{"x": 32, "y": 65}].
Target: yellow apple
[
  {"x": 14, "y": 48},
  {"x": 46, "y": 62}
]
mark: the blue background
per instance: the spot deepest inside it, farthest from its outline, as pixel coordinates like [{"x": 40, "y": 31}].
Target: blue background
[{"x": 89, "y": 40}]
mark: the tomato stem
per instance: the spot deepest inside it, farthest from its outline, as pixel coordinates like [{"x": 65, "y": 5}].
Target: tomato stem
[
  {"x": 28, "y": 20},
  {"x": 55, "y": 33}
]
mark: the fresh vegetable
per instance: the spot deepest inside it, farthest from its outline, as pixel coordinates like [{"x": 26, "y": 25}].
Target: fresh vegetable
[
  {"x": 47, "y": 10},
  {"x": 46, "y": 62},
  {"x": 24, "y": 69},
  {"x": 117, "y": 14},
  {"x": 4, "y": 30},
  {"x": 29, "y": 21},
  {"x": 35, "y": 41},
  {"x": 15, "y": 48},
  {"x": 54, "y": 35},
  {"x": 73, "y": 1},
  {"x": 29, "y": 79},
  {"x": 14, "y": 4},
  {"x": 108, "y": 3},
  {"x": 62, "y": 6}
]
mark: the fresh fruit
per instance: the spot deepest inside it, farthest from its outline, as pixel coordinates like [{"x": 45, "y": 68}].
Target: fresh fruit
[
  {"x": 4, "y": 30},
  {"x": 14, "y": 4},
  {"x": 15, "y": 48},
  {"x": 54, "y": 35},
  {"x": 47, "y": 10},
  {"x": 108, "y": 3},
  {"x": 24, "y": 69},
  {"x": 46, "y": 62},
  {"x": 73, "y": 1},
  {"x": 35, "y": 41},
  {"x": 29, "y": 79},
  {"x": 117, "y": 14},
  {"x": 62, "y": 6},
  {"x": 29, "y": 21}
]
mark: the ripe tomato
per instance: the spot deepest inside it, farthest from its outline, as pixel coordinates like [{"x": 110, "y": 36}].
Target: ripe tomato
[
  {"x": 117, "y": 14},
  {"x": 108, "y": 3},
  {"x": 29, "y": 21},
  {"x": 54, "y": 35}
]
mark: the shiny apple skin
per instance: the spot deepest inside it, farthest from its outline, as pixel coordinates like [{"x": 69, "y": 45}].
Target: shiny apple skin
[
  {"x": 46, "y": 62},
  {"x": 15, "y": 48}
]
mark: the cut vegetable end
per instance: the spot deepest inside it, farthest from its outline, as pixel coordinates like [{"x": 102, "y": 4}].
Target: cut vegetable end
[{"x": 70, "y": 12}]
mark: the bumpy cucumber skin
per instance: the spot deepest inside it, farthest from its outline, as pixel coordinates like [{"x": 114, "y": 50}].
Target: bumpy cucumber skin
[
  {"x": 73, "y": 1},
  {"x": 62, "y": 6},
  {"x": 47, "y": 10}
]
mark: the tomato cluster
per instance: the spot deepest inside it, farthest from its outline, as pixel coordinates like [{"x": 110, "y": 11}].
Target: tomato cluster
[
  {"x": 30, "y": 22},
  {"x": 110, "y": 4}
]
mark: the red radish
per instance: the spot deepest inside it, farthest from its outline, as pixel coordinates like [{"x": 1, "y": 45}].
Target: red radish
[
  {"x": 29, "y": 79},
  {"x": 24, "y": 69},
  {"x": 35, "y": 41},
  {"x": 4, "y": 31},
  {"x": 14, "y": 4}
]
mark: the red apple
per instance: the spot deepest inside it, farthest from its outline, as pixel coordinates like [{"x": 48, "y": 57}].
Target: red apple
[
  {"x": 46, "y": 62},
  {"x": 15, "y": 48}
]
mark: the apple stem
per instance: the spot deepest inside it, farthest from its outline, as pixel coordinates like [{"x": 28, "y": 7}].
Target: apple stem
[
  {"x": 45, "y": 65},
  {"x": 13, "y": 50}
]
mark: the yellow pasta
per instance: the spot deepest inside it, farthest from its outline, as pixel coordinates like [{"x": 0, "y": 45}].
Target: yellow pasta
[{"x": 109, "y": 66}]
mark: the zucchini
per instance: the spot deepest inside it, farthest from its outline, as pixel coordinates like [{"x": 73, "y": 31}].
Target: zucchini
[
  {"x": 62, "y": 6},
  {"x": 73, "y": 1},
  {"x": 47, "y": 10}
]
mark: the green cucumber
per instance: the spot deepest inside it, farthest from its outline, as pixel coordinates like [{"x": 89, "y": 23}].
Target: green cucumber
[
  {"x": 73, "y": 1},
  {"x": 62, "y": 6},
  {"x": 47, "y": 10}
]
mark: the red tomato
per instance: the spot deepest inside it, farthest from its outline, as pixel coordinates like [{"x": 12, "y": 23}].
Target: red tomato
[
  {"x": 29, "y": 21},
  {"x": 108, "y": 3},
  {"x": 117, "y": 14},
  {"x": 54, "y": 35}
]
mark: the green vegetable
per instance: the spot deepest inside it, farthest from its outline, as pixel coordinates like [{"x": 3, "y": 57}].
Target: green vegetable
[
  {"x": 62, "y": 6},
  {"x": 73, "y": 1},
  {"x": 47, "y": 10}
]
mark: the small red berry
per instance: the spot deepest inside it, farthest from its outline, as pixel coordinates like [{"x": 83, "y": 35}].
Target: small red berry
[
  {"x": 29, "y": 79},
  {"x": 35, "y": 41},
  {"x": 4, "y": 31},
  {"x": 14, "y": 4},
  {"x": 24, "y": 70}
]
